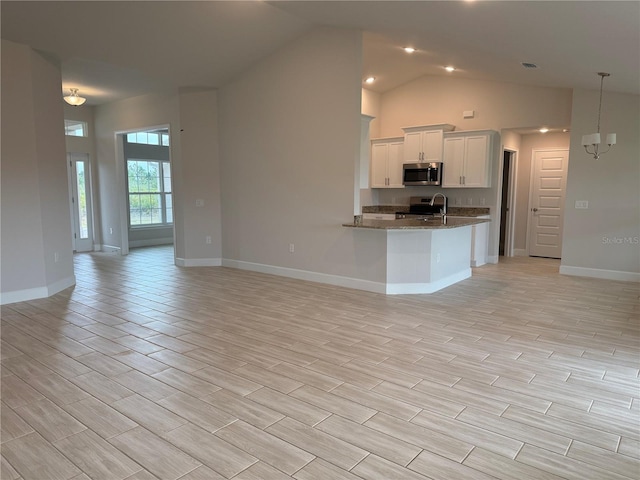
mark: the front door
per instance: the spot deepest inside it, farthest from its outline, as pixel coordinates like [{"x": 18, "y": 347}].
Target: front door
[
  {"x": 80, "y": 198},
  {"x": 546, "y": 205}
]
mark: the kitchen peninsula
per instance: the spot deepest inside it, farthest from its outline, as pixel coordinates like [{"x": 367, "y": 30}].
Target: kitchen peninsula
[{"x": 422, "y": 256}]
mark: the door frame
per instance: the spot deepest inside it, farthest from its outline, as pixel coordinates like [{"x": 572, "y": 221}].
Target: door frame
[
  {"x": 121, "y": 183},
  {"x": 531, "y": 184},
  {"x": 512, "y": 186}
]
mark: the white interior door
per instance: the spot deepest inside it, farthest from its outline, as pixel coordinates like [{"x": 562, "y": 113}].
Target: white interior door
[
  {"x": 546, "y": 204},
  {"x": 80, "y": 199}
]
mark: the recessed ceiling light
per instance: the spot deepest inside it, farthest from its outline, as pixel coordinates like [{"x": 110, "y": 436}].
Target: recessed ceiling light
[
  {"x": 450, "y": 69},
  {"x": 409, "y": 49},
  {"x": 370, "y": 80},
  {"x": 543, "y": 130}
]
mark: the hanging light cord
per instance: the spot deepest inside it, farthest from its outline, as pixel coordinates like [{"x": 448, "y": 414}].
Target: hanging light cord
[{"x": 602, "y": 75}]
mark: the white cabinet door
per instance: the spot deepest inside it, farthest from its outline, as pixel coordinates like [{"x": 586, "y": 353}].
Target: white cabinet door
[
  {"x": 413, "y": 147},
  {"x": 379, "y": 164},
  {"x": 432, "y": 146},
  {"x": 386, "y": 162},
  {"x": 453, "y": 162},
  {"x": 467, "y": 159},
  {"x": 476, "y": 161},
  {"x": 394, "y": 165}
]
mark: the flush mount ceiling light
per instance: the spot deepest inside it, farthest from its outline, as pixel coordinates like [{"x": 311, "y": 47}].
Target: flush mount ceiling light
[
  {"x": 370, "y": 80},
  {"x": 543, "y": 130},
  {"x": 450, "y": 68},
  {"x": 593, "y": 140},
  {"x": 74, "y": 99},
  {"x": 409, "y": 49}
]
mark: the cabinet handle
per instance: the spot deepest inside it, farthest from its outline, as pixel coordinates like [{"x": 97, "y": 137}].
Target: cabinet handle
[
  {"x": 464, "y": 180},
  {"x": 460, "y": 180}
]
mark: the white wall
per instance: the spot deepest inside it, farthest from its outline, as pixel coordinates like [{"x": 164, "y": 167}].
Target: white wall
[
  {"x": 497, "y": 105},
  {"x": 36, "y": 254},
  {"x": 289, "y": 137},
  {"x": 200, "y": 178},
  {"x": 191, "y": 116},
  {"x": 604, "y": 240}
]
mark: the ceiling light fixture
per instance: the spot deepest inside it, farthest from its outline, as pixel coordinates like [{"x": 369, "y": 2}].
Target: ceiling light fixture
[
  {"x": 409, "y": 49},
  {"x": 543, "y": 130},
  {"x": 370, "y": 80},
  {"x": 450, "y": 69},
  {"x": 74, "y": 99},
  {"x": 593, "y": 140}
]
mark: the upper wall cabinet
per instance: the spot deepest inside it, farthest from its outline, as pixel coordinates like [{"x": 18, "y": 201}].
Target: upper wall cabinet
[
  {"x": 386, "y": 163},
  {"x": 467, "y": 159},
  {"x": 423, "y": 144}
]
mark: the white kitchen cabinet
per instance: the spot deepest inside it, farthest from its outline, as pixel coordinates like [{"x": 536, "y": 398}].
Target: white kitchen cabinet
[
  {"x": 467, "y": 159},
  {"x": 386, "y": 162},
  {"x": 423, "y": 144}
]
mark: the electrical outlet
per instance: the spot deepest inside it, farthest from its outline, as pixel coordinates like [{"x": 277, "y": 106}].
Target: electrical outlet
[
  {"x": 110, "y": 230},
  {"x": 292, "y": 248},
  {"x": 469, "y": 201},
  {"x": 199, "y": 202},
  {"x": 482, "y": 201},
  {"x": 207, "y": 240},
  {"x": 438, "y": 258},
  {"x": 582, "y": 204},
  {"x": 458, "y": 201},
  {"x": 56, "y": 257}
]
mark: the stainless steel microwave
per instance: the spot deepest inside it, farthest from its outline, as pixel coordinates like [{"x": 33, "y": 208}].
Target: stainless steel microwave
[{"x": 422, "y": 173}]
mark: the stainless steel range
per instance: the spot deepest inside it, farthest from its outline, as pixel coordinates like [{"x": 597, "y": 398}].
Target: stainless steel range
[{"x": 425, "y": 206}]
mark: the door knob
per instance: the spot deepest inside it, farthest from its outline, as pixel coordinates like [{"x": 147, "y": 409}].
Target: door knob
[{"x": 534, "y": 209}]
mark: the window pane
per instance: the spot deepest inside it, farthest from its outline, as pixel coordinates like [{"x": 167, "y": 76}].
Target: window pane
[
  {"x": 166, "y": 171},
  {"x": 82, "y": 200},
  {"x": 141, "y": 137},
  {"x": 165, "y": 139},
  {"x": 153, "y": 177},
  {"x": 153, "y": 139},
  {"x": 75, "y": 128},
  {"x": 131, "y": 137},
  {"x": 135, "y": 212}
]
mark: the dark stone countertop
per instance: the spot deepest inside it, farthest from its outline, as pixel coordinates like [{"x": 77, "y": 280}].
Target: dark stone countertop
[
  {"x": 430, "y": 223},
  {"x": 451, "y": 212}
]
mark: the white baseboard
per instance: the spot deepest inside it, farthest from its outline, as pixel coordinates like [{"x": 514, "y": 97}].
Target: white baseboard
[
  {"x": 150, "y": 242},
  {"x": 336, "y": 280},
  {"x": 417, "y": 288},
  {"x": 38, "y": 292},
  {"x": 520, "y": 252},
  {"x": 198, "y": 262},
  {"x": 348, "y": 282},
  {"x": 600, "y": 273},
  {"x": 109, "y": 249}
]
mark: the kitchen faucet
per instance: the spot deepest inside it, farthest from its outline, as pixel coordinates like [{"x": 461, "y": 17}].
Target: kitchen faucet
[{"x": 443, "y": 210}]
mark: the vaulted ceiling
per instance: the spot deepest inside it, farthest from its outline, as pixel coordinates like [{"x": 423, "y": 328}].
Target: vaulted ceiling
[{"x": 118, "y": 49}]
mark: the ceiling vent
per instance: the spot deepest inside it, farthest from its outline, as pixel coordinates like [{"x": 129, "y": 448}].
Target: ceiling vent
[{"x": 529, "y": 65}]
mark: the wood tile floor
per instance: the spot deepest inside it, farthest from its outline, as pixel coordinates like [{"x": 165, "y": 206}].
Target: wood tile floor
[{"x": 148, "y": 371}]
